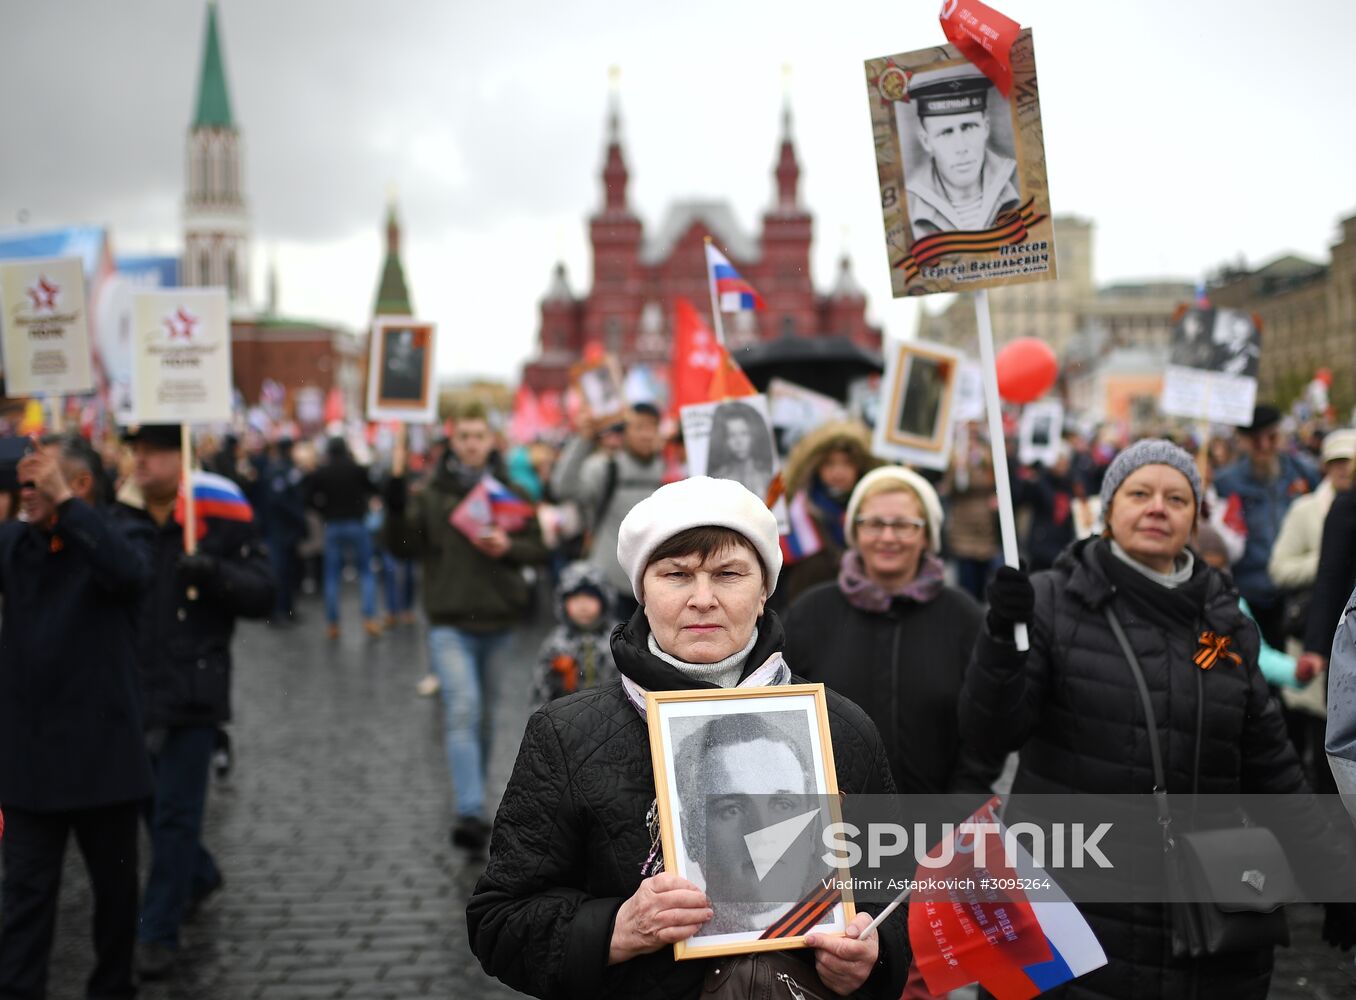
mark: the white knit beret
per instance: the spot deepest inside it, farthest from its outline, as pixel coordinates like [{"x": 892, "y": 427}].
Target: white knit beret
[
  {"x": 696, "y": 503},
  {"x": 932, "y": 505}
]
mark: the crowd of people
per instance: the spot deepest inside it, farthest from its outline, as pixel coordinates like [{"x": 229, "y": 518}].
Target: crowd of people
[{"x": 893, "y": 594}]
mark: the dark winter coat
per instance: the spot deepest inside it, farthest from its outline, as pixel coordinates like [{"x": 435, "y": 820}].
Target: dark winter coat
[
  {"x": 339, "y": 490},
  {"x": 70, "y": 712},
  {"x": 462, "y": 586},
  {"x": 1263, "y": 508},
  {"x": 571, "y": 837},
  {"x": 184, "y": 644},
  {"x": 1070, "y": 707},
  {"x": 1336, "y": 574},
  {"x": 905, "y": 669}
]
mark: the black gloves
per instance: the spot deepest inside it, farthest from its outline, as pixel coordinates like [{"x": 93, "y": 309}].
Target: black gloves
[
  {"x": 1339, "y": 925},
  {"x": 198, "y": 570},
  {"x": 1011, "y": 600}
]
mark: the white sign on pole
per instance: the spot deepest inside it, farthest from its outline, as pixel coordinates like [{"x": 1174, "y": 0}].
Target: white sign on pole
[
  {"x": 918, "y": 396},
  {"x": 181, "y": 350},
  {"x": 969, "y": 393},
  {"x": 46, "y": 327}
]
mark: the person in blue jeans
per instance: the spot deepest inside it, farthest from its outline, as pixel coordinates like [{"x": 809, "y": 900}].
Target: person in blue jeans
[
  {"x": 474, "y": 594},
  {"x": 340, "y": 490}
]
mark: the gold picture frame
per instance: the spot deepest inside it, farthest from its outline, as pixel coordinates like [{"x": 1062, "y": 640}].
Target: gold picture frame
[
  {"x": 761, "y": 738},
  {"x": 914, "y": 424}
]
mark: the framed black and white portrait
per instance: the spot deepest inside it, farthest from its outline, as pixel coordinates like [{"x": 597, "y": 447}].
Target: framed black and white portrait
[
  {"x": 400, "y": 370},
  {"x": 733, "y": 439},
  {"x": 961, "y": 168},
  {"x": 918, "y": 397},
  {"x": 746, "y": 786},
  {"x": 599, "y": 383}
]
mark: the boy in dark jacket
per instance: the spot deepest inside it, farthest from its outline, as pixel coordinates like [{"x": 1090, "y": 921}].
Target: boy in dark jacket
[{"x": 577, "y": 654}]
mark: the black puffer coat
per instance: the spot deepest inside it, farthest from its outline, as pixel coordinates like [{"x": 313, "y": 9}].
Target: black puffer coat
[
  {"x": 570, "y": 839},
  {"x": 1071, "y": 707},
  {"x": 904, "y": 667}
]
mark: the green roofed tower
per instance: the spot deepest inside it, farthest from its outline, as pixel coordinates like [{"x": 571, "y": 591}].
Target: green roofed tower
[
  {"x": 214, "y": 103},
  {"x": 216, "y": 224},
  {"x": 393, "y": 296}
]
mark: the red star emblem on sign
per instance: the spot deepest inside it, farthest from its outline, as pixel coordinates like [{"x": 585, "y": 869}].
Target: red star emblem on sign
[
  {"x": 180, "y": 324},
  {"x": 44, "y": 294}
]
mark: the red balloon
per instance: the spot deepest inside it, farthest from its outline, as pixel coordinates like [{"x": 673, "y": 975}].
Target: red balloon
[{"x": 1027, "y": 368}]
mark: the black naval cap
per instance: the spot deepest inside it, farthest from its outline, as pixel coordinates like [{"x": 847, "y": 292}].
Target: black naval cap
[
  {"x": 1264, "y": 417},
  {"x": 956, "y": 90},
  {"x": 155, "y": 435}
]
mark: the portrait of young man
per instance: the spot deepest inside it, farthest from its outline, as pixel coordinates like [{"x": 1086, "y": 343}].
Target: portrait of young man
[
  {"x": 956, "y": 177},
  {"x": 739, "y": 774},
  {"x": 402, "y": 376}
]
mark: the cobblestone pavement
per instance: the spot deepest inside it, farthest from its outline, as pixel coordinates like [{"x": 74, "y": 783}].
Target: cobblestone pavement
[{"x": 332, "y": 834}]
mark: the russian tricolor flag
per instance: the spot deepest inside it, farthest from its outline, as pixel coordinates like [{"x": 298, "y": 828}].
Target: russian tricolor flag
[
  {"x": 732, "y": 292},
  {"x": 217, "y": 496},
  {"x": 803, "y": 539},
  {"x": 1013, "y": 947},
  {"x": 507, "y": 509}
]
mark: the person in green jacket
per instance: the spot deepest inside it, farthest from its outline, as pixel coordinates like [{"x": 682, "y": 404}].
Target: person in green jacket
[{"x": 474, "y": 594}]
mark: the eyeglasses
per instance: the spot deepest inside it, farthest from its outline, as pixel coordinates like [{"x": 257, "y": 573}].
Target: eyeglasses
[{"x": 874, "y": 527}]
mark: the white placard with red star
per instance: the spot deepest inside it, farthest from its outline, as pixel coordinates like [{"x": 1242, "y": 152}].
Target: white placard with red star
[
  {"x": 181, "y": 350},
  {"x": 46, "y": 328}
]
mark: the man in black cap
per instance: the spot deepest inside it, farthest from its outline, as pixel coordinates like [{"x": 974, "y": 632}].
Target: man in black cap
[
  {"x": 960, "y": 183},
  {"x": 72, "y": 755},
  {"x": 185, "y": 628},
  {"x": 1258, "y": 490}
]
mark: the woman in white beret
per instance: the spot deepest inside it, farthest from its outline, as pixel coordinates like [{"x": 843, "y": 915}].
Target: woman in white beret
[{"x": 574, "y": 901}]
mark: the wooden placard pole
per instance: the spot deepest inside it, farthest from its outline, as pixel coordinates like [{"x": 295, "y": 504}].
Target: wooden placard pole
[
  {"x": 715, "y": 302},
  {"x": 998, "y": 446},
  {"x": 190, "y": 508}
]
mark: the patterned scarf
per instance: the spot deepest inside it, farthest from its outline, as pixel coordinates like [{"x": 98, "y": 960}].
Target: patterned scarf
[
  {"x": 866, "y": 594},
  {"x": 834, "y": 510}
]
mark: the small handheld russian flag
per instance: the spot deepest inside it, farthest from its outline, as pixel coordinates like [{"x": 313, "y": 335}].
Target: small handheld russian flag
[
  {"x": 733, "y": 293},
  {"x": 213, "y": 496}
]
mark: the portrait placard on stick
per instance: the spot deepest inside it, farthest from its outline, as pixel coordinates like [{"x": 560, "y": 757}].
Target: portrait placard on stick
[
  {"x": 181, "y": 349},
  {"x": 600, "y": 385},
  {"x": 1212, "y": 366},
  {"x": 46, "y": 327},
  {"x": 732, "y": 439},
  {"x": 1040, "y": 432},
  {"x": 918, "y": 397},
  {"x": 962, "y": 171},
  {"x": 767, "y": 751},
  {"x": 400, "y": 358}
]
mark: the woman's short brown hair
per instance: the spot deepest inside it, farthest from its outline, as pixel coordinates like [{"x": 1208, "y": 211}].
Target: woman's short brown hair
[{"x": 704, "y": 542}]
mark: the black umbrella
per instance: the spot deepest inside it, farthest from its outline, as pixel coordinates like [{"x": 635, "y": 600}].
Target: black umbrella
[{"x": 825, "y": 364}]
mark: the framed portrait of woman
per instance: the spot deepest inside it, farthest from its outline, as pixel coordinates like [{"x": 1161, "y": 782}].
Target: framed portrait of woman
[
  {"x": 733, "y": 439},
  {"x": 746, "y": 786}
]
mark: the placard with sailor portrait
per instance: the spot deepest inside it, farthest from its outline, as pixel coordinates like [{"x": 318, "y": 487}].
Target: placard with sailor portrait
[{"x": 962, "y": 171}]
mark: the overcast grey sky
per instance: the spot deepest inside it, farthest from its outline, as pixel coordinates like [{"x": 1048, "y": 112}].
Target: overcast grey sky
[{"x": 1190, "y": 132}]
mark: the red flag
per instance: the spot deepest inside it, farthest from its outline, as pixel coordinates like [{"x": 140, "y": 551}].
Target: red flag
[
  {"x": 550, "y": 410},
  {"x": 334, "y": 406},
  {"x": 526, "y": 422},
  {"x": 974, "y": 933},
  {"x": 729, "y": 381},
  {"x": 983, "y": 36},
  {"x": 696, "y": 356}
]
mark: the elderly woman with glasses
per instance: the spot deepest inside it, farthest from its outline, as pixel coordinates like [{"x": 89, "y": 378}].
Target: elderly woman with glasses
[{"x": 891, "y": 636}]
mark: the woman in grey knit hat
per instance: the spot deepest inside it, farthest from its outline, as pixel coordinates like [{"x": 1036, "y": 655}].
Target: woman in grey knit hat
[{"x": 1071, "y": 706}]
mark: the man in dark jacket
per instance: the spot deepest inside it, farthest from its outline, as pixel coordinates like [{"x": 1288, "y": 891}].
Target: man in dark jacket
[
  {"x": 186, "y": 624},
  {"x": 71, "y": 752},
  {"x": 283, "y": 525},
  {"x": 474, "y": 593},
  {"x": 1257, "y": 490},
  {"x": 340, "y": 490}
]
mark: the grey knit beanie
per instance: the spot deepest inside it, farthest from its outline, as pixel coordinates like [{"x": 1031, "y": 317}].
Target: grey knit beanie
[{"x": 1150, "y": 451}]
